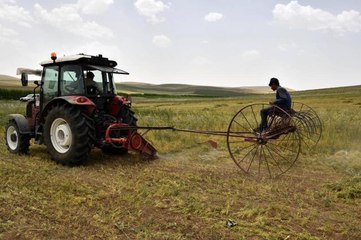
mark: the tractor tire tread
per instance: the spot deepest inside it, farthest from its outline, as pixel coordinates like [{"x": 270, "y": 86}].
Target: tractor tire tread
[
  {"x": 24, "y": 140},
  {"x": 82, "y": 132}
]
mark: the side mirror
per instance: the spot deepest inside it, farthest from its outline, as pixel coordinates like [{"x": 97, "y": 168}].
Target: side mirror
[{"x": 24, "y": 79}]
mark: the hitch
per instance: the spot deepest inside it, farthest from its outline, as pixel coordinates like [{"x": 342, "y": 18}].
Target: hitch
[{"x": 133, "y": 141}]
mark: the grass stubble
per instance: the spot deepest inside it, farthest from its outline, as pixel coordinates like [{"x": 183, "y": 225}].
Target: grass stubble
[{"x": 192, "y": 189}]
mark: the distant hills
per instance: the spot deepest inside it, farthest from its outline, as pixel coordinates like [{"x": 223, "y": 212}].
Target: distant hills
[
  {"x": 145, "y": 89},
  {"x": 8, "y": 78},
  {"x": 136, "y": 88},
  {"x": 9, "y": 82}
]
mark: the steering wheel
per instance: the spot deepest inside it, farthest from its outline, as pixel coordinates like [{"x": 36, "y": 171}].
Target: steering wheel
[{"x": 71, "y": 87}]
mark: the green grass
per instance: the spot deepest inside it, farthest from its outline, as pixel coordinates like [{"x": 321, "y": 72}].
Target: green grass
[
  {"x": 192, "y": 189},
  {"x": 11, "y": 88}
]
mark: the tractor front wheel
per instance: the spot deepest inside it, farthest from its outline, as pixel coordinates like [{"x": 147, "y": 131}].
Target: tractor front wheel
[
  {"x": 16, "y": 141},
  {"x": 68, "y": 134}
]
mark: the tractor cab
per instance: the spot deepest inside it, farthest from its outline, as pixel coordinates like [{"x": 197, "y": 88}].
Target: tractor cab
[
  {"x": 72, "y": 76},
  {"x": 79, "y": 75}
]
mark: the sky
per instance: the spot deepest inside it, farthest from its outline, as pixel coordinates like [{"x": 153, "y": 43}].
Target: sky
[{"x": 305, "y": 44}]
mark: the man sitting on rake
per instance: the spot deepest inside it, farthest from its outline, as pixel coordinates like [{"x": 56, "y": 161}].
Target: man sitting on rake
[{"x": 283, "y": 101}]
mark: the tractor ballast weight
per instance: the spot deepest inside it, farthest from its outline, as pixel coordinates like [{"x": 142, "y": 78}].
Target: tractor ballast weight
[{"x": 78, "y": 109}]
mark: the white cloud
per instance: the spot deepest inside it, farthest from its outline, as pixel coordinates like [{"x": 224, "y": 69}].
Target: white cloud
[
  {"x": 213, "y": 17},
  {"x": 94, "y": 6},
  {"x": 161, "y": 41},
  {"x": 9, "y": 37},
  {"x": 8, "y": 1},
  {"x": 11, "y": 12},
  {"x": 296, "y": 16},
  {"x": 92, "y": 48},
  {"x": 285, "y": 47},
  {"x": 68, "y": 19},
  {"x": 7, "y": 32},
  {"x": 250, "y": 54},
  {"x": 290, "y": 48},
  {"x": 151, "y": 9},
  {"x": 200, "y": 61}
]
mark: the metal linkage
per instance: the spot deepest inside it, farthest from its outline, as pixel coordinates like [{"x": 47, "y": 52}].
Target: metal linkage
[{"x": 206, "y": 132}]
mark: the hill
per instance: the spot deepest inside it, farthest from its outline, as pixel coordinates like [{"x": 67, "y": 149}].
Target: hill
[
  {"x": 146, "y": 89},
  {"x": 190, "y": 90},
  {"x": 13, "y": 83},
  {"x": 7, "y": 78},
  {"x": 336, "y": 91},
  {"x": 138, "y": 88},
  {"x": 9, "y": 82}
]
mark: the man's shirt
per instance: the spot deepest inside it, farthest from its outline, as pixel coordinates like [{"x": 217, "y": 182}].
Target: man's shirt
[{"x": 283, "y": 98}]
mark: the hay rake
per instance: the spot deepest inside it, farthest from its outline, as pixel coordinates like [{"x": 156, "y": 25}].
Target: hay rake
[{"x": 271, "y": 152}]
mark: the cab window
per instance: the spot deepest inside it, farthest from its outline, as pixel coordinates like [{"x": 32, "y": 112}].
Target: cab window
[
  {"x": 96, "y": 81},
  {"x": 50, "y": 83},
  {"x": 71, "y": 80}
]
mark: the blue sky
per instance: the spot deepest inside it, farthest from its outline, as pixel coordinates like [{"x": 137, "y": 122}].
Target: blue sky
[{"x": 306, "y": 44}]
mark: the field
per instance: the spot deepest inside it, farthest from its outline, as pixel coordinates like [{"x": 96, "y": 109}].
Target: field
[{"x": 192, "y": 190}]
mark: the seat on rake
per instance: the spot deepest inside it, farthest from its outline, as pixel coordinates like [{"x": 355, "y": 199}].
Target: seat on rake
[
  {"x": 281, "y": 113},
  {"x": 280, "y": 118}
]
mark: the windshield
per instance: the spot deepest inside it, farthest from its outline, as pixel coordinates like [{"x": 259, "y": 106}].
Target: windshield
[
  {"x": 72, "y": 80},
  {"x": 86, "y": 80}
]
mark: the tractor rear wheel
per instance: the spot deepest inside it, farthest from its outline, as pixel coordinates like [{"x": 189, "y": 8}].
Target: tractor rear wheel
[
  {"x": 16, "y": 142},
  {"x": 68, "y": 134},
  {"x": 126, "y": 115}
]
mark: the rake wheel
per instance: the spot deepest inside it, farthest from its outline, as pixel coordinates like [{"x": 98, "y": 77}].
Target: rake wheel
[
  {"x": 270, "y": 152},
  {"x": 308, "y": 123}
]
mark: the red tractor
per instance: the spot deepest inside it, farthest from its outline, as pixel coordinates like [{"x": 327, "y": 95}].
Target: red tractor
[{"x": 78, "y": 108}]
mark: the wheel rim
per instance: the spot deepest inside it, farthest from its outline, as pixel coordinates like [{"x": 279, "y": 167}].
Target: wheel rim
[
  {"x": 12, "y": 137},
  {"x": 60, "y": 135},
  {"x": 262, "y": 154}
]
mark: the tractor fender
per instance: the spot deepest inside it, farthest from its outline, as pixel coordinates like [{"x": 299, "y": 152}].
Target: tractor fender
[
  {"x": 21, "y": 122},
  {"x": 72, "y": 100},
  {"x": 115, "y": 103}
]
